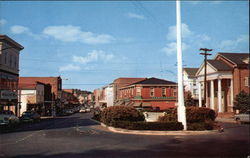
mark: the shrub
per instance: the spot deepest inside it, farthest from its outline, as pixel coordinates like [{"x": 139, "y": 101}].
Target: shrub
[
  {"x": 201, "y": 114},
  {"x": 168, "y": 118},
  {"x": 139, "y": 125},
  {"x": 193, "y": 114},
  {"x": 120, "y": 113},
  {"x": 200, "y": 126},
  {"x": 189, "y": 101},
  {"x": 242, "y": 102}
]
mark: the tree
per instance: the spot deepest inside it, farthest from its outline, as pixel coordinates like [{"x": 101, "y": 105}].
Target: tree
[
  {"x": 189, "y": 101},
  {"x": 241, "y": 102}
]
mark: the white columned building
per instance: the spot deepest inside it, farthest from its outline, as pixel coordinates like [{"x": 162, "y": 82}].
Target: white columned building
[{"x": 219, "y": 78}]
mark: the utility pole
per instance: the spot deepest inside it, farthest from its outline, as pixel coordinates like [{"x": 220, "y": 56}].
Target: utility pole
[
  {"x": 205, "y": 72},
  {"x": 181, "y": 111}
]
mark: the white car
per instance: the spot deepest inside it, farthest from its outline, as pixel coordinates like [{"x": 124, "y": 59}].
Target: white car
[
  {"x": 8, "y": 117},
  {"x": 243, "y": 117},
  {"x": 82, "y": 110}
]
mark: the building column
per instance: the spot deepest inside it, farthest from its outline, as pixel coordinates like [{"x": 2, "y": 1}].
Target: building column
[
  {"x": 212, "y": 94},
  {"x": 199, "y": 91},
  {"x": 219, "y": 95},
  {"x": 232, "y": 92}
]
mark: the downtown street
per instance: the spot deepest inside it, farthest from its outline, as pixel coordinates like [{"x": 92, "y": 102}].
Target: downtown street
[{"x": 79, "y": 136}]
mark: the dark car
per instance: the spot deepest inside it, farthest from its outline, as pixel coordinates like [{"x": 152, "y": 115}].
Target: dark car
[{"x": 30, "y": 116}]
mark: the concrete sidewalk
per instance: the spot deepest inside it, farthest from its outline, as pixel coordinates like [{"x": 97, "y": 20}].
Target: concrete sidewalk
[{"x": 227, "y": 120}]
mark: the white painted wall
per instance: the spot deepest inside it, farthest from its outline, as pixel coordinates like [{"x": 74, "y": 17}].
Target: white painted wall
[
  {"x": 24, "y": 95},
  {"x": 191, "y": 84},
  {"x": 109, "y": 95}
]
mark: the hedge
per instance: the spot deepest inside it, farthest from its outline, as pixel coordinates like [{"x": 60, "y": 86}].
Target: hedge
[
  {"x": 193, "y": 115},
  {"x": 120, "y": 113},
  {"x": 140, "y": 125},
  {"x": 200, "y": 126}
]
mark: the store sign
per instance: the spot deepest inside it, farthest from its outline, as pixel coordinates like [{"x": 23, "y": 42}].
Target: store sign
[{"x": 8, "y": 95}]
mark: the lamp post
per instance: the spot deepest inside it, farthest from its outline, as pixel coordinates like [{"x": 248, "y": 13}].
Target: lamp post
[{"x": 181, "y": 107}]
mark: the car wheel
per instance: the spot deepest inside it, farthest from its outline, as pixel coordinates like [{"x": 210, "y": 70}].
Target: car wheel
[{"x": 238, "y": 120}]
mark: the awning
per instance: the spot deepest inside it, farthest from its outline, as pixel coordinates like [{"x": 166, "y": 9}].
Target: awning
[
  {"x": 137, "y": 104},
  {"x": 146, "y": 104}
]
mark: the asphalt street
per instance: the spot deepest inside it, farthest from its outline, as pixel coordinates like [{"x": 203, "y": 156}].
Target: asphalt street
[{"x": 78, "y": 136}]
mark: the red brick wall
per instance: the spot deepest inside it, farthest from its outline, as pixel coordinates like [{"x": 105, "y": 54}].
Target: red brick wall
[{"x": 239, "y": 75}]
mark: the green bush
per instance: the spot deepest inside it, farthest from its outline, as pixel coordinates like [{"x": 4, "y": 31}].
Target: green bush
[
  {"x": 140, "y": 125},
  {"x": 242, "y": 102},
  {"x": 201, "y": 114},
  {"x": 200, "y": 126},
  {"x": 120, "y": 113},
  {"x": 193, "y": 115},
  {"x": 168, "y": 118}
]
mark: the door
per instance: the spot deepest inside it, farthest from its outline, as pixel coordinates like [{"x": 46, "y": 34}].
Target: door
[{"x": 223, "y": 101}]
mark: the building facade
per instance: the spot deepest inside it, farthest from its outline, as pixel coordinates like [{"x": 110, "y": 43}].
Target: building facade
[
  {"x": 121, "y": 82},
  {"x": 190, "y": 81},
  {"x": 9, "y": 73},
  {"x": 150, "y": 92},
  {"x": 56, "y": 91},
  {"x": 31, "y": 97},
  {"x": 227, "y": 75}
]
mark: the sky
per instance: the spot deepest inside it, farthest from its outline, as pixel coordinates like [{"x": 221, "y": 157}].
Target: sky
[{"x": 89, "y": 44}]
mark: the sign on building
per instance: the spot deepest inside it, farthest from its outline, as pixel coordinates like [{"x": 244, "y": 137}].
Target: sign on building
[{"x": 5, "y": 94}]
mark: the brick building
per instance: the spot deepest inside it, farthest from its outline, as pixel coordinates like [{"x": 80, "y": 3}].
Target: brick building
[
  {"x": 153, "y": 92},
  {"x": 227, "y": 75},
  {"x": 31, "y": 97},
  {"x": 122, "y": 82},
  {"x": 55, "y": 94},
  {"x": 9, "y": 72}
]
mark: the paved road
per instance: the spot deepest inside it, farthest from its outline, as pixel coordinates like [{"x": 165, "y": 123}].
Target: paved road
[{"x": 78, "y": 136}]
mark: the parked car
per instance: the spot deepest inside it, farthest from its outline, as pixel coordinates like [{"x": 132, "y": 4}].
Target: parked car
[
  {"x": 30, "y": 116},
  {"x": 243, "y": 117},
  {"x": 87, "y": 109},
  {"x": 8, "y": 118},
  {"x": 82, "y": 110}
]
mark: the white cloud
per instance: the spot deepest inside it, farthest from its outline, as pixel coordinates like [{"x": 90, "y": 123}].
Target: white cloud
[
  {"x": 69, "y": 67},
  {"x": 71, "y": 33},
  {"x": 136, "y": 16},
  {"x": 170, "y": 48},
  {"x": 18, "y": 29},
  {"x": 3, "y": 22},
  {"x": 233, "y": 45},
  {"x": 93, "y": 56},
  {"x": 189, "y": 37},
  {"x": 186, "y": 32}
]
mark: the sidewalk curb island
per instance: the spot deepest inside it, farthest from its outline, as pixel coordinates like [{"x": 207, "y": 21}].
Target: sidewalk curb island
[{"x": 148, "y": 132}]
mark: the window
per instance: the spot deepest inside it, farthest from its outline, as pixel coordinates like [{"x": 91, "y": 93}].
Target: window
[
  {"x": 164, "y": 92},
  {"x": 247, "y": 81},
  {"x": 152, "y": 92},
  {"x": 5, "y": 58},
  {"x": 10, "y": 61},
  {"x": 138, "y": 91},
  {"x": 15, "y": 62},
  {"x": 175, "y": 92}
]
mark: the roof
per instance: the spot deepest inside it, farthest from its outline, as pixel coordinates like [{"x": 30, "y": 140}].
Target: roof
[
  {"x": 191, "y": 71},
  {"x": 236, "y": 58},
  {"x": 30, "y": 85},
  {"x": 219, "y": 65},
  {"x": 127, "y": 81},
  {"x": 11, "y": 41},
  {"x": 153, "y": 80}
]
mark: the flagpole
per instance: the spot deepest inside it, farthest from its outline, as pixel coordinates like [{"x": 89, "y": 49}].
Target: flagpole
[{"x": 181, "y": 110}]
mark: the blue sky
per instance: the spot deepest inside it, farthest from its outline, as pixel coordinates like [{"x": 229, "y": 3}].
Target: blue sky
[{"x": 89, "y": 44}]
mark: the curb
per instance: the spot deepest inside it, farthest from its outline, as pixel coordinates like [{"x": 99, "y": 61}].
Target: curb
[{"x": 148, "y": 132}]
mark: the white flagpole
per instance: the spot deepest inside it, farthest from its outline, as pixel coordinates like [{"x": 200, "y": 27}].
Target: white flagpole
[{"x": 181, "y": 111}]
